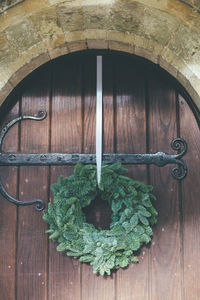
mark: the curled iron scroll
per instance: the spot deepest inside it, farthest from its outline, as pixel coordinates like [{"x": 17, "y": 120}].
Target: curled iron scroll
[
  {"x": 41, "y": 115},
  {"x": 180, "y": 171},
  {"x": 39, "y": 204}
]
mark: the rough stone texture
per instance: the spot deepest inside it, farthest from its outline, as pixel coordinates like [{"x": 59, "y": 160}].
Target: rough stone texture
[
  {"x": 166, "y": 32},
  {"x": 48, "y": 28},
  {"x": 187, "y": 37},
  {"x": 77, "y": 46},
  {"x": 6, "y": 4},
  {"x": 96, "y": 17},
  {"x": 195, "y": 4},
  {"x": 120, "y": 46},
  {"x": 22, "y": 35},
  {"x": 158, "y": 27},
  {"x": 129, "y": 20},
  {"x": 70, "y": 19},
  {"x": 7, "y": 52},
  {"x": 97, "y": 44},
  {"x": 59, "y": 51}
]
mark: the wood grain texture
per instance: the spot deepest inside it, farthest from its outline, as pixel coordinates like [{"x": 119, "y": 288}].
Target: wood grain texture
[
  {"x": 32, "y": 240},
  {"x": 8, "y": 215},
  {"x": 132, "y": 282},
  {"x": 166, "y": 244},
  {"x": 66, "y": 136},
  {"x": 191, "y": 205},
  {"x": 95, "y": 286},
  {"x": 108, "y": 105},
  {"x": 89, "y": 104},
  {"x": 137, "y": 119}
]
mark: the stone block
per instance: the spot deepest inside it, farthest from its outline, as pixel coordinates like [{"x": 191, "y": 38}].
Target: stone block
[
  {"x": 7, "y": 52},
  {"x": 46, "y": 23},
  {"x": 157, "y": 25},
  {"x": 119, "y": 46},
  {"x": 97, "y": 44},
  {"x": 92, "y": 34},
  {"x": 77, "y": 46},
  {"x": 74, "y": 36},
  {"x": 70, "y": 19},
  {"x": 96, "y": 17},
  {"x": 185, "y": 42},
  {"x": 22, "y": 35},
  {"x": 125, "y": 37},
  {"x": 35, "y": 5},
  {"x": 125, "y": 17},
  {"x": 59, "y": 51},
  {"x": 146, "y": 54}
]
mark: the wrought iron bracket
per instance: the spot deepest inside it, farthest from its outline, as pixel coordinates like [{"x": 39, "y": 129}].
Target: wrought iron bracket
[{"x": 47, "y": 159}]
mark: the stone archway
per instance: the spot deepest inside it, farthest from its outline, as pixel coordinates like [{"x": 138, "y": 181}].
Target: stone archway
[{"x": 165, "y": 32}]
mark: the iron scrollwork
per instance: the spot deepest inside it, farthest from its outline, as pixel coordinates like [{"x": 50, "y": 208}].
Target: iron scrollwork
[
  {"x": 39, "y": 204},
  {"x": 20, "y": 159}
]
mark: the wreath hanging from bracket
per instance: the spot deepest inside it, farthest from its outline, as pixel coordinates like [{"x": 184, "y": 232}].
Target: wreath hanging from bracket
[{"x": 132, "y": 217}]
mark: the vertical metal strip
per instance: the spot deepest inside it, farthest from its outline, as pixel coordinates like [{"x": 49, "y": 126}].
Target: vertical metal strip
[{"x": 99, "y": 108}]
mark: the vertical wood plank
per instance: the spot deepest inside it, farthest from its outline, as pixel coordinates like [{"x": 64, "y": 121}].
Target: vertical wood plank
[
  {"x": 108, "y": 105},
  {"x": 95, "y": 286},
  {"x": 166, "y": 245},
  {"x": 190, "y": 202},
  {"x": 32, "y": 240},
  {"x": 66, "y": 136},
  {"x": 89, "y": 103},
  {"x": 132, "y": 282},
  {"x": 8, "y": 214}
]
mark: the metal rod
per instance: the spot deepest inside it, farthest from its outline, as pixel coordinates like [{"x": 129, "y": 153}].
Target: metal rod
[
  {"x": 99, "y": 105},
  {"x": 20, "y": 159},
  {"x": 160, "y": 158}
]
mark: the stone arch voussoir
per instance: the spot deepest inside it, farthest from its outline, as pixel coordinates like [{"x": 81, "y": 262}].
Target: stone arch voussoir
[{"x": 167, "y": 35}]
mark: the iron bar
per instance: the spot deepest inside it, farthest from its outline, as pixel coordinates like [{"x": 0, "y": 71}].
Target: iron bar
[
  {"x": 46, "y": 159},
  {"x": 58, "y": 159}
]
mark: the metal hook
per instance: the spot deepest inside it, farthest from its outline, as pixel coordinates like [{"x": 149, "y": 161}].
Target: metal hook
[
  {"x": 41, "y": 115},
  {"x": 39, "y": 204}
]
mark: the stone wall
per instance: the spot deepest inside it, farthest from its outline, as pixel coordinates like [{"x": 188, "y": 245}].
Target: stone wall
[
  {"x": 166, "y": 32},
  {"x": 6, "y": 4}
]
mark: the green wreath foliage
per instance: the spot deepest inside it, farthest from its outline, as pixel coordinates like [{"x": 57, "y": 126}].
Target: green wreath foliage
[{"x": 132, "y": 217}]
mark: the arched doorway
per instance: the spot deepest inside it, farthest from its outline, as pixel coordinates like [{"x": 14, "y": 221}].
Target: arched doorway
[{"x": 144, "y": 109}]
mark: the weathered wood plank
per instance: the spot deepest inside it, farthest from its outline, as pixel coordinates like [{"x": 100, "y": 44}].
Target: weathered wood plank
[
  {"x": 108, "y": 105},
  {"x": 190, "y": 203},
  {"x": 66, "y": 136},
  {"x": 166, "y": 245},
  {"x": 132, "y": 282},
  {"x": 8, "y": 215},
  {"x": 32, "y": 240}
]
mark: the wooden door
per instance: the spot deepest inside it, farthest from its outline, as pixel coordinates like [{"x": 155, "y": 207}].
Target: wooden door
[{"x": 144, "y": 110}]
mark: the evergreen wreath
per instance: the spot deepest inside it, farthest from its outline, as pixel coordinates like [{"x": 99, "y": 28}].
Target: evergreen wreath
[{"x": 132, "y": 217}]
